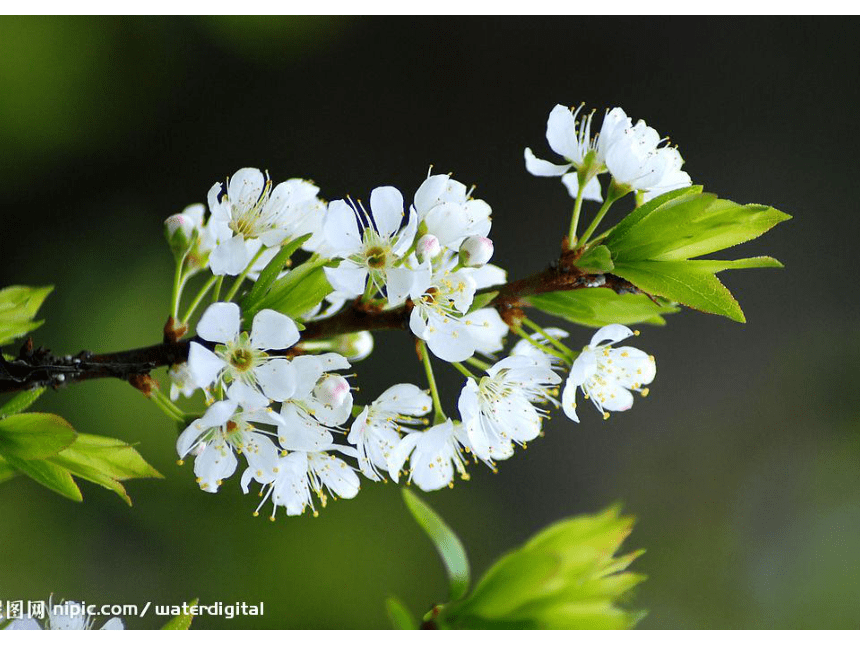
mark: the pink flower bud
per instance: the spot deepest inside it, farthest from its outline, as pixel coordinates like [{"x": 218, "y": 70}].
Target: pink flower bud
[
  {"x": 476, "y": 251},
  {"x": 428, "y": 247},
  {"x": 332, "y": 390}
]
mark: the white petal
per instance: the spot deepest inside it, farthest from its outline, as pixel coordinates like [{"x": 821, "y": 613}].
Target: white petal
[
  {"x": 203, "y": 365},
  {"x": 246, "y": 396},
  {"x": 404, "y": 398},
  {"x": 592, "y": 189},
  {"x": 335, "y": 474},
  {"x": 300, "y": 432},
  {"x": 398, "y": 284},
  {"x": 386, "y": 206},
  {"x": 245, "y": 187},
  {"x": 340, "y": 228},
  {"x": 401, "y": 453},
  {"x": 429, "y": 193},
  {"x": 561, "y": 133},
  {"x": 230, "y": 257},
  {"x": 348, "y": 279},
  {"x": 217, "y": 462},
  {"x": 487, "y": 329},
  {"x": 113, "y": 624},
  {"x": 273, "y": 330},
  {"x": 568, "y": 400},
  {"x": 583, "y": 368},
  {"x": 612, "y": 333},
  {"x": 277, "y": 379},
  {"x": 220, "y": 323},
  {"x": 541, "y": 168}
]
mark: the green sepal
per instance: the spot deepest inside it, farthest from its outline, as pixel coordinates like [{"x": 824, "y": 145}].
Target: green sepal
[{"x": 482, "y": 300}]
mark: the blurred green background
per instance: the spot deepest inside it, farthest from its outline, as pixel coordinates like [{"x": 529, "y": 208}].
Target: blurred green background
[{"x": 743, "y": 465}]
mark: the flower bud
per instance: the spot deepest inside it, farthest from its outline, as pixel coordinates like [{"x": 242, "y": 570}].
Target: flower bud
[
  {"x": 428, "y": 247},
  {"x": 355, "y": 347},
  {"x": 180, "y": 229},
  {"x": 332, "y": 390},
  {"x": 476, "y": 251}
]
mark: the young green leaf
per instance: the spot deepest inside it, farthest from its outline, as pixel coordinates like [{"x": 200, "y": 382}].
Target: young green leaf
[
  {"x": 34, "y": 435},
  {"x": 596, "y": 260},
  {"x": 104, "y": 461},
  {"x": 7, "y": 472},
  {"x": 50, "y": 475},
  {"x": 447, "y": 543},
  {"x": 679, "y": 196},
  {"x": 683, "y": 281},
  {"x": 399, "y": 615},
  {"x": 271, "y": 272},
  {"x": 297, "y": 292},
  {"x": 181, "y": 621},
  {"x": 20, "y": 402},
  {"x": 18, "y": 306},
  {"x": 689, "y": 226},
  {"x": 599, "y": 307},
  {"x": 566, "y": 577}
]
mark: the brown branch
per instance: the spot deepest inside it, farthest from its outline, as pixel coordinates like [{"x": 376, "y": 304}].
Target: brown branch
[{"x": 40, "y": 368}]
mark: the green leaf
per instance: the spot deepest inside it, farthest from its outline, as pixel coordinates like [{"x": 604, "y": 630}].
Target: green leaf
[
  {"x": 599, "y": 307},
  {"x": 596, "y": 260},
  {"x": 679, "y": 196},
  {"x": 689, "y": 282},
  {"x": 49, "y": 475},
  {"x": 182, "y": 621},
  {"x": 34, "y": 435},
  {"x": 688, "y": 226},
  {"x": 566, "y": 577},
  {"x": 482, "y": 300},
  {"x": 20, "y": 402},
  {"x": 7, "y": 472},
  {"x": 446, "y": 542},
  {"x": 399, "y": 615},
  {"x": 297, "y": 292},
  {"x": 272, "y": 271},
  {"x": 104, "y": 461},
  {"x": 18, "y": 307}
]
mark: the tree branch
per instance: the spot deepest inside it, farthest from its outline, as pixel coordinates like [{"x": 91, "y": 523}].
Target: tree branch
[{"x": 40, "y": 368}]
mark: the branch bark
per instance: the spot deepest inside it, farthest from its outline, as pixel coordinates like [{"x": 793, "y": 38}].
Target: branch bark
[{"x": 40, "y": 368}]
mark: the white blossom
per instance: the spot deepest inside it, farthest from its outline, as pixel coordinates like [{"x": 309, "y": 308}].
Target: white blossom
[
  {"x": 301, "y": 473},
  {"x": 607, "y": 374},
  {"x": 500, "y": 409},
  {"x": 372, "y": 245},
  {"x": 433, "y": 456},
  {"x": 376, "y": 429},
  {"x": 447, "y": 211},
  {"x": 240, "y": 358},
  {"x": 249, "y": 213},
  {"x": 223, "y": 432}
]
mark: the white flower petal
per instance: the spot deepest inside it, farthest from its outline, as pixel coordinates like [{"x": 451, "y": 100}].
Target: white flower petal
[
  {"x": 386, "y": 206},
  {"x": 220, "y": 323},
  {"x": 612, "y": 333},
  {"x": 203, "y": 365},
  {"x": 542, "y": 168},
  {"x": 592, "y": 188},
  {"x": 277, "y": 379},
  {"x": 561, "y": 133},
  {"x": 273, "y": 330}
]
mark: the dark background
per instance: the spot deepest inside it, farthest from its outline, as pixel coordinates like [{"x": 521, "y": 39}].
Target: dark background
[{"x": 743, "y": 466}]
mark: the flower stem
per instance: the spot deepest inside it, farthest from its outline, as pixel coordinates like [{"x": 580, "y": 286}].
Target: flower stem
[
  {"x": 544, "y": 348},
  {"x": 199, "y": 298},
  {"x": 574, "y": 220},
  {"x": 481, "y": 365},
  {"x": 166, "y": 405},
  {"x": 462, "y": 369},
  {"x": 561, "y": 346},
  {"x": 241, "y": 277},
  {"x": 178, "y": 285},
  {"x": 596, "y": 221},
  {"x": 438, "y": 414}
]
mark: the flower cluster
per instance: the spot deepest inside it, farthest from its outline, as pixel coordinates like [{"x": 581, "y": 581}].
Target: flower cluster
[
  {"x": 280, "y": 408},
  {"x": 630, "y": 153}
]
